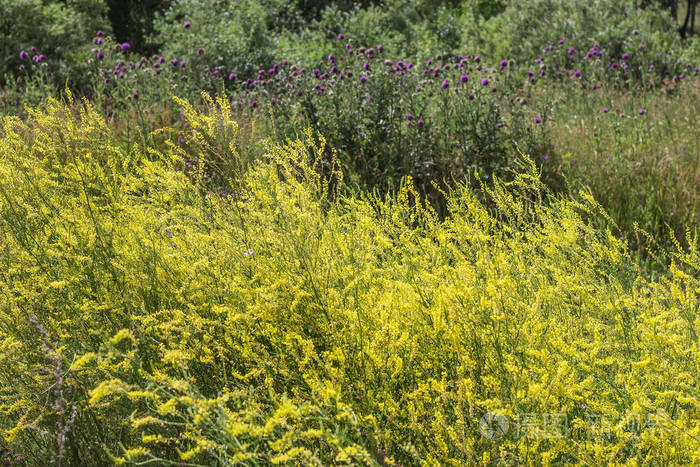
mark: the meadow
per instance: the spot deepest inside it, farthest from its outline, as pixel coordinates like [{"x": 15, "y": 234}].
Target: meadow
[{"x": 382, "y": 234}]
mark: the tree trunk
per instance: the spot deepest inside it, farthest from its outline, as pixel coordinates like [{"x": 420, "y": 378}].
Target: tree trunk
[
  {"x": 673, "y": 8},
  {"x": 686, "y": 22}
]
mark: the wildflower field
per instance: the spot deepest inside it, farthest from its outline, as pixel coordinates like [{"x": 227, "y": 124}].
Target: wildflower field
[{"x": 394, "y": 233}]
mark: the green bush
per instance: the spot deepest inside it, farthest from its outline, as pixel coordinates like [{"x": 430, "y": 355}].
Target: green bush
[
  {"x": 234, "y": 36},
  {"x": 58, "y": 29},
  {"x": 406, "y": 29},
  {"x": 524, "y": 29}
]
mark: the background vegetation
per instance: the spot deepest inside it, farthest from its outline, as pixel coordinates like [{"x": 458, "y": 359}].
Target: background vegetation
[{"x": 393, "y": 222}]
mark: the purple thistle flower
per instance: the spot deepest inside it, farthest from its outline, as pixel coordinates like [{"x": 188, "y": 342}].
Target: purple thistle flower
[
  {"x": 365, "y": 66},
  {"x": 640, "y": 111},
  {"x": 605, "y": 110},
  {"x": 363, "y": 79},
  {"x": 33, "y": 49},
  {"x": 538, "y": 120},
  {"x": 254, "y": 104},
  {"x": 682, "y": 76},
  {"x": 380, "y": 48},
  {"x": 577, "y": 74},
  {"x": 504, "y": 63},
  {"x": 485, "y": 82},
  {"x": 125, "y": 46},
  {"x": 23, "y": 55},
  {"x": 464, "y": 78},
  {"x": 625, "y": 56},
  {"x": 409, "y": 117},
  {"x": 470, "y": 96},
  {"x": 561, "y": 41},
  {"x": 634, "y": 32},
  {"x": 99, "y": 32},
  {"x": 187, "y": 25},
  {"x": 331, "y": 58},
  {"x": 183, "y": 64},
  {"x": 622, "y": 114},
  {"x": 651, "y": 67},
  {"x": 232, "y": 76},
  {"x": 420, "y": 122},
  {"x": 445, "y": 84},
  {"x": 100, "y": 55},
  {"x": 341, "y": 37},
  {"x": 570, "y": 51},
  {"x": 136, "y": 95},
  {"x": 477, "y": 59}
]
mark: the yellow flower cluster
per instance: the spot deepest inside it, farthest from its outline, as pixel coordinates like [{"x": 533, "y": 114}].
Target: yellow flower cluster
[{"x": 290, "y": 323}]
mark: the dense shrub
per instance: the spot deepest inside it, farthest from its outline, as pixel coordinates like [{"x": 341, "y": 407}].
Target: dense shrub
[
  {"x": 55, "y": 29},
  {"x": 419, "y": 30},
  {"x": 523, "y": 30},
  {"x": 236, "y": 36},
  {"x": 145, "y": 318}
]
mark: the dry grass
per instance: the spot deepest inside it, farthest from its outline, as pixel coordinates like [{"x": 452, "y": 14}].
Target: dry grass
[{"x": 641, "y": 168}]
